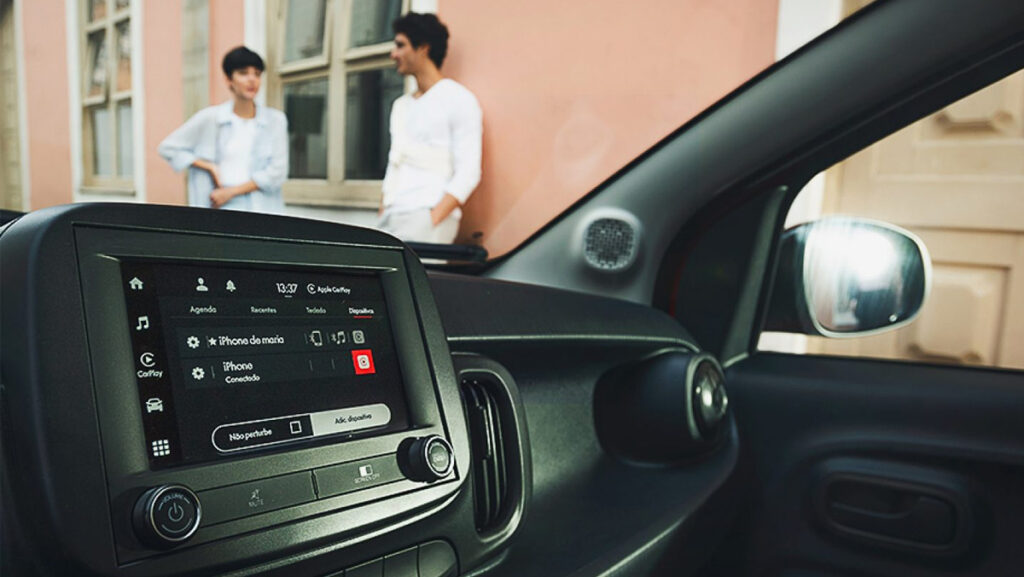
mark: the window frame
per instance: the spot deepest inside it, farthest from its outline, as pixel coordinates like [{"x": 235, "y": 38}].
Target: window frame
[
  {"x": 337, "y": 62},
  {"x": 111, "y": 99}
]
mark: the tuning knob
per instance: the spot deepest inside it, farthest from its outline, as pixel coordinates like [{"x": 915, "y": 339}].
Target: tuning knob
[{"x": 427, "y": 458}]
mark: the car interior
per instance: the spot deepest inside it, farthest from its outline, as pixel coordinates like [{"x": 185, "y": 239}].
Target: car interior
[{"x": 197, "y": 392}]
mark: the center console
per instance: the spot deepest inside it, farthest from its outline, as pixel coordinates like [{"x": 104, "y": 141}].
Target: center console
[{"x": 220, "y": 391}]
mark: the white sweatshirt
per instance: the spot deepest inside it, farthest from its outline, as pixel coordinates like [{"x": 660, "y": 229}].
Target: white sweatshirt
[{"x": 435, "y": 148}]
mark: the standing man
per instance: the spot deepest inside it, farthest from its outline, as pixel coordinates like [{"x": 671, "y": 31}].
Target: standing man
[
  {"x": 436, "y": 134},
  {"x": 236, "y": 153}
]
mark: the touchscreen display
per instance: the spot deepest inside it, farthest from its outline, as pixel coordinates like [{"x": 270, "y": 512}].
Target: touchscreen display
[{"x": 231, "y": 360}]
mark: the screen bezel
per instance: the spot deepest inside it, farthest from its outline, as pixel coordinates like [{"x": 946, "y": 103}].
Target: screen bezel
[{"x": 100, "y": 250}]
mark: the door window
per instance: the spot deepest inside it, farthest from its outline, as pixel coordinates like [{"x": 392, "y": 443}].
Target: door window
[{"x": 956, "y": 180}]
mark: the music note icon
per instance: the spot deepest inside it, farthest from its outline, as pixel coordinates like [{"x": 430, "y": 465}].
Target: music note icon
[{"x": 143, "y": 323}]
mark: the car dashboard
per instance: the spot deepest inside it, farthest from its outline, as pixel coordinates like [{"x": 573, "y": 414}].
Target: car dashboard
[{"x": 198, "y": 392}]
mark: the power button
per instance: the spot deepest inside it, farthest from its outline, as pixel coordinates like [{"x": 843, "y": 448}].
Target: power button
[
  {"x": 175, "y": 515},
  {"x": 167, "y": 515}
]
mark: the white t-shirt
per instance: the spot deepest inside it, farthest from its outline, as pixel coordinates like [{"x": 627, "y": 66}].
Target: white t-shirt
[
  {"x": 435, "y": 148},
  {"x": 235, "y": 166}
]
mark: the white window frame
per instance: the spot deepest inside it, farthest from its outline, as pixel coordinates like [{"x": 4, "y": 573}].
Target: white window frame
[
  {"x": 336, "y": 62},
  {"x": 111, "y": 99}
]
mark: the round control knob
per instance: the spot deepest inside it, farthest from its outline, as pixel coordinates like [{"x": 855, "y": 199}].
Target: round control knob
[
  {"x": 427, "y": 458},
  {"x": 710, "y": 401},
  {"x": 167, "y": 515}
]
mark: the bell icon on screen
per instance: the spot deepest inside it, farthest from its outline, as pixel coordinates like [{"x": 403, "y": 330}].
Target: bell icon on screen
[{"x": 230, "y": 286}]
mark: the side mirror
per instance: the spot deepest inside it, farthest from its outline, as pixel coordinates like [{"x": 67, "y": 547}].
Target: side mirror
[{"x": 843, "y": 276}]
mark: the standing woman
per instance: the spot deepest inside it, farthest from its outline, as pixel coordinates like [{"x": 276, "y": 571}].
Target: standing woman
[{"x": 236, "y": 153}]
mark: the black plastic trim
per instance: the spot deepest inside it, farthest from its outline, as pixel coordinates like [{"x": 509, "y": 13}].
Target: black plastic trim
[
  {"x": 476, "y": 310},
  {"x": 51, "y": 361}
]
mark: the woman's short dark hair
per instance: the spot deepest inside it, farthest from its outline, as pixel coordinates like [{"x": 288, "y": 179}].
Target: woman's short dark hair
[
  {"x": 239, "y": 58},
  {"x": 423, "y": 29}
]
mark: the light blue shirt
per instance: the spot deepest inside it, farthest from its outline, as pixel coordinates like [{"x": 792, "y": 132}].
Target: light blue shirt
[{"x": 204, "y": 137}]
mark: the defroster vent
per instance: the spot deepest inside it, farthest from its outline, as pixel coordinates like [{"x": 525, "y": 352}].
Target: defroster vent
[{"x": 490, "y": 459}]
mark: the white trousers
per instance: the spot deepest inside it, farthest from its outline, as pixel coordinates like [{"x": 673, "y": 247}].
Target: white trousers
[{"x": 416, "y": 226}]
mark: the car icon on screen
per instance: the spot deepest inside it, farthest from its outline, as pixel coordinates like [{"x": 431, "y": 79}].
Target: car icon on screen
[{"x": 154, "y": 404}]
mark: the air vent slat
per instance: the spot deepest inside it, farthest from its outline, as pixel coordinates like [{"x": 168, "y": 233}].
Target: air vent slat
[
  {"x": 497, "y": 462},
  {"x": 490, "y": 478}
]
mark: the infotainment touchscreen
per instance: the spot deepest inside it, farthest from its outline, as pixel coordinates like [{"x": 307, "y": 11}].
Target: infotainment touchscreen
[{"x": 232, "y": 360}]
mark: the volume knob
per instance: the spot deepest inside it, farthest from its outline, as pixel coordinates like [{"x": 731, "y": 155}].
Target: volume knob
[{"x": 167, "y": 515}]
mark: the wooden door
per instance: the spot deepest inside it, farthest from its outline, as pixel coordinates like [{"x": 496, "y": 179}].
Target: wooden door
[
  {"x": 10, "y": 140},
  {"x": 956, "y": 179}
]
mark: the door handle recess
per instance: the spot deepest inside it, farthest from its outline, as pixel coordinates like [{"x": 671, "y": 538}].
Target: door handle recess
[
  {"x": 894, "y": 505},
  {"x": 891, "y": 513}
]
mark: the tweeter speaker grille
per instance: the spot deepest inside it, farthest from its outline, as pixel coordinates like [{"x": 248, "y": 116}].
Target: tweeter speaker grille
[{"x": 610, "y": 244}]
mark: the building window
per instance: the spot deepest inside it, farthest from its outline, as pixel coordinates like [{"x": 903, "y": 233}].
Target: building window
[
  {"x": 329, "y": 71},
  {"x": 107, "y": 95},
  {"x": 195, "y": 40}
]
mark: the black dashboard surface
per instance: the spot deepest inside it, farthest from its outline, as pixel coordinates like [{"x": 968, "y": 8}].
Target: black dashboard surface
[{"x": 570, "y": 506}]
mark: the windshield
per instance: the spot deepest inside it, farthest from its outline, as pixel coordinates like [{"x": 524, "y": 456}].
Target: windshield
[{"x": 352, "y": 112}]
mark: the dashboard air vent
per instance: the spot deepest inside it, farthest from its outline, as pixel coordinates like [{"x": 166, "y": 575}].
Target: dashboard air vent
[{"x": 490, "y": 463}]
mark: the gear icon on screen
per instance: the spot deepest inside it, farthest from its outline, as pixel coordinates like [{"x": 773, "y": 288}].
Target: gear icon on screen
[
  {"x": 198, "y": 373},
  {"x": 193, "y": 342}
]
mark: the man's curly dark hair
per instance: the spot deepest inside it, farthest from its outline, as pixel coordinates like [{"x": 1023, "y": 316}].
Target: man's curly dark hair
[{"x": 423, "y": 29}]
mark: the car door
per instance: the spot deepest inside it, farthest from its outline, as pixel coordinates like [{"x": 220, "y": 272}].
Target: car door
[
  {"x": 861, "y": 465},
  {"x": 864, "y": 467}
]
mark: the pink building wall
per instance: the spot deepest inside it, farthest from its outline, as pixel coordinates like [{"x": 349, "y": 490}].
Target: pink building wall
[
  {"x": 571, "y": 91},
  {"x": 164, "y": 91},
  {"x": 227, "y": 30},
  {"x": 164, "y": 95},
  {"x": 570, "y": 94},
  {"x": 47, "y": 92},
  {"x": 46, "y": 102}
]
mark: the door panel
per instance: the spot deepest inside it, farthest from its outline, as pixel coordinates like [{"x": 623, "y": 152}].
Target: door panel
[{"x": 950, "y": 436}]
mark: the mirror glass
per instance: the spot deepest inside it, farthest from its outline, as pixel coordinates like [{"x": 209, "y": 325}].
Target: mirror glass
[{"x": 862, "y": 275}]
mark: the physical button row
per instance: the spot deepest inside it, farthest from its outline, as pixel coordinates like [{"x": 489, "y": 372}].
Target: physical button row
[
  {"x": 433, "y": 559},
  {"x": 168, "y": 515},
  {"x": 246, "y": 499}
]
